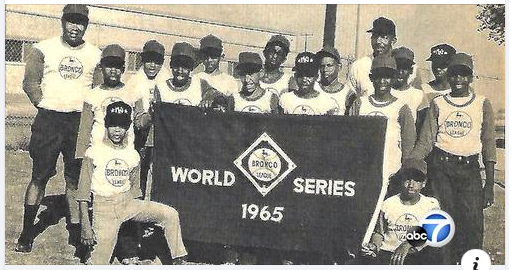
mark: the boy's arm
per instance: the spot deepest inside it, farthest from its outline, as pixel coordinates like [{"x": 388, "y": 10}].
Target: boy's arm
[
  {"x": 350, "y": 99},
  {"x": 408, "y": 135},
  {"x": 85, "y": 130},
  {"x": 355, "y": 107},
  {"x": 488, "y": 152},
  {"x": 274, "y": 104},
  {"x": 428, "y": 133},
  {"x": 83, "y": 198},
  {"x": 97, "y": 76},
  {"x": 142, "y": 118},
  {"x": 34, "y": 69},
  {"x": 135, "y": 183}
]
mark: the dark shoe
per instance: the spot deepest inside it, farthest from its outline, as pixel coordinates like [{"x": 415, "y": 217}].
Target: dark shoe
[
  {"x": 179, "y": 261},
  {"x": 24, "y": 246}
]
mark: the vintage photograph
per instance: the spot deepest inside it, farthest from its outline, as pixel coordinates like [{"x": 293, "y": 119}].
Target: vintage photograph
[{"x": 254, "y": 134}]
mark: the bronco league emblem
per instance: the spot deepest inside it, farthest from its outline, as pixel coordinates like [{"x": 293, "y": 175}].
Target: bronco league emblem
[
  {"x": 458, "y": 124},
  {"x": 70, "y": 68},
  {"x": 264, "y": 164},
  {"x": 117, "y": 172}
]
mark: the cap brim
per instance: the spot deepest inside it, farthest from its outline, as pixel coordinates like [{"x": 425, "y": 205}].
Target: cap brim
[{"x": 248, "y": 68}]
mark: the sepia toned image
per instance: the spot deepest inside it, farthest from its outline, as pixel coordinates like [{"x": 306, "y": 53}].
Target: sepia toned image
[{"x": 254, "y": 134}]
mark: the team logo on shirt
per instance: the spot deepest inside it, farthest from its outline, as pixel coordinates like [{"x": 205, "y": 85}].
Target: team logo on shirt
[
  {"x": 403, "y": 224},
  {"x": 304, "y": 109},
  {"x": 183, "y": 101},
  {"x": 70, "y": 68},
  {"x": 458, "y": 124},
  {"x": 117, "y": 172},
  {"x": 376, "y": 113},
  {"x": 264, "y": 164},
  {"x": 252, "y": 109}
]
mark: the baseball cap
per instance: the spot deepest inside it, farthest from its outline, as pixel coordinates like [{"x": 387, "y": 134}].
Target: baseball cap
[
  {"x": 211, "y": 45},
  {"x": 278, "y": 40},
  {"x": 305, "y": 65},
  {"x": 441, "y": 53},
  {"x": 328, "y": 51},
  {"x": 249, "y": 63},
  {"x": 183, "y": 54},
  {"x": 118, "y": 114},
  {"x": 76, "y": 13},
  {"x": 153, "y": 50},
  {"x": 383, "y": 61},
  {"x": 383, "y": 26},
  {"x": 113, "y": 54},
  {"x": 461, "y": 60},
  {"x": 412, "y": 169},
  {"x": 403, "y": 53}
]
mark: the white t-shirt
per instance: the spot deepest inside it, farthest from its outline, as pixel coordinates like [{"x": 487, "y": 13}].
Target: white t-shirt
[
  {"x": 400, "y": 217},
  {"x": 431, "y": 93},
  {"x": 99, "y": 99},
  {"x": 222, "y": 82},
  {"x": 67, "y": 74},
  {"x": 191, "y": 96},
  {"x": 340, "y": 98},
  {"x": 460, "y": 122},
  {"x": 260, "y": 105},
  {"x": 391, "y": 110},
  {"x": 358, "y": 76},
  {"x": 319, "y": 105},
  {"x": 112, "y": 169},
  {"x": 412, "y": 97},
  {"x": 280, "y": 86},
  {"x": 140, "y": 83}
]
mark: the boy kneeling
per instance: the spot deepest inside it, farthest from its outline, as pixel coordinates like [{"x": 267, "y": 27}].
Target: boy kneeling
[
  {"x": 399, "y": 213},
  {"x": 111, "y": 171}
]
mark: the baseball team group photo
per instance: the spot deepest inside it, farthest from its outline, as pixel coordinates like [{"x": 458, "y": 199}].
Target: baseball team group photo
[{"x": 254, "y": 134}]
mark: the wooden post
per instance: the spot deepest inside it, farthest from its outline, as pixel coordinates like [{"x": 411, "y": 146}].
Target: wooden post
[{"x": 330, "y": 20}]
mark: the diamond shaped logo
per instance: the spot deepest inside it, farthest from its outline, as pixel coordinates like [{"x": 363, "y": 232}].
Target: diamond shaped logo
[{"x": 264, "y": 164}]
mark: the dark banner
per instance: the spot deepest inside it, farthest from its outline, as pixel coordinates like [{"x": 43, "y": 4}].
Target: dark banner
[{"x": 307, "y": 183}]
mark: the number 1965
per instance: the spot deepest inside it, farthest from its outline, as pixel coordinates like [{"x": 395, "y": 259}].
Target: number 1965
[{"x": 264, "y": 213}]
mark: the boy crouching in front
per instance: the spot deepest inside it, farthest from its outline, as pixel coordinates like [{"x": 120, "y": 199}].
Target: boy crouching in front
[{"x": 111, "y": 171}]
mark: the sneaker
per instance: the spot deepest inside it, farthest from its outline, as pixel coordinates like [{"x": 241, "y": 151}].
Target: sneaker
[
  {"x": 131, "y": 261},
  {"x": 179, "y": 261},
  {"x": 24, "y": 246}
]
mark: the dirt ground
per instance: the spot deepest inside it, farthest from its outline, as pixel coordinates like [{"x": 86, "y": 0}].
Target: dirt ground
[{"x": 51, "y": 246}]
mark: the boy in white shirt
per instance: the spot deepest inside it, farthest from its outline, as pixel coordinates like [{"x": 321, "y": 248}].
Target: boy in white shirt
[
  {"x": 399, "y": 213},
  {"x": 111, "y": 172}
]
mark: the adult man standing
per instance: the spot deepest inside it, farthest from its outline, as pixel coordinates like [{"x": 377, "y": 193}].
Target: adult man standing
[
  {"x": 275, "y": 54},
  {"x": 210, "y": 53},
  {"x": 58, "y": 73},
  {"x": 383, "y": 37}
]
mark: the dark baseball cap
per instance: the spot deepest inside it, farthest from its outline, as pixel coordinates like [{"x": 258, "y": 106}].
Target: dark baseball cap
[
  {"x": 278, "y": 40},
  {"x": 411, "y": 169},
  {"x": 383, "y": 26},
  {"x": 153, "y": 46},
  {"x": 118, "y": 114},
  {"x": 441, "y": 53},
  {"x": 383, "y": 61},
  {"x": 76, "y": 13},
  {"x": 328, "y": 51},
  {"x": 153, "y": 51},
  {"x": 462, "y": 60},
  {"x": 305, "y": 65},
  {"x": 113, "y": 53},
  {"x": 183, "y": 53},
  {"x": 403, "y": 53},
  {"x": 211, "y": 45},
  {"x": 249, "y": 63}
]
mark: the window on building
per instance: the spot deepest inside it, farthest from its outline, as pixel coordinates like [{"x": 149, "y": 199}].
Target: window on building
[
  {"x": 17, "y": 50},
  {"x": 230, "y": 68},
  {"x": 134, "y": 61}
]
